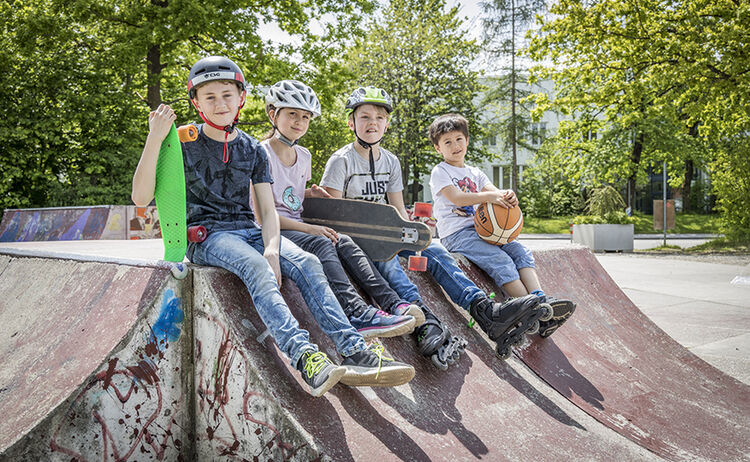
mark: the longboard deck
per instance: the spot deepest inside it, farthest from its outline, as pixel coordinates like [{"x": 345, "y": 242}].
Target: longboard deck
[
  {"x": 377, "y": 228},
  {"x": 169, "y": 193}
]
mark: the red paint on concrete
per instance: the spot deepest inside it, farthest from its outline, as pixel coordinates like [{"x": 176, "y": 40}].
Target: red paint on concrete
[
  {"x": 619, "y": 367},
  {"x": 59, "y": 321}
]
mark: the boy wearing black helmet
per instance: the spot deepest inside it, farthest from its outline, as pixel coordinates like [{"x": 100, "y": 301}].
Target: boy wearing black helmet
[
  {"x": 365, "y": 170},
  {"x": 220, "y": 166}
]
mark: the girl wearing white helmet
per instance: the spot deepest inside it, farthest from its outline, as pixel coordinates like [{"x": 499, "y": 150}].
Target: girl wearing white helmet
[{"x": 290, "y": 106}]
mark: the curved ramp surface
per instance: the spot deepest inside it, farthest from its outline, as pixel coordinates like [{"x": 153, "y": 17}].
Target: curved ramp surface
[
  {"x": 88, "y": 350},
  {"x": 479, "y": 409},
  {"x": 618, "y": 366}
]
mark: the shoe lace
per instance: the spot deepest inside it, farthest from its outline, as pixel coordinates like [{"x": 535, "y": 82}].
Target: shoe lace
[
  {"x": 314, "y": 363},
  {"x": 377, "y": 348}
]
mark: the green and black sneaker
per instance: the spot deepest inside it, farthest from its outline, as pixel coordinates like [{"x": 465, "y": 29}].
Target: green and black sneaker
[
  {"x": 371, "y": 368},
  {"x": 319, "y": 372}
]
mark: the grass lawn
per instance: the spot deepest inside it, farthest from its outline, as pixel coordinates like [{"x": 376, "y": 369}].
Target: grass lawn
[{"x": 685, "y": 223}]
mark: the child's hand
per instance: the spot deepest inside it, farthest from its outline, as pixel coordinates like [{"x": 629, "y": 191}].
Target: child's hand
[
  {"x": 330, "y": 233},
  {"x": 510, "y": 197},
  {"x": 317, "y": 191},
  {"x": 160, "y": 121},
  {"x": 273, "y": 261}
]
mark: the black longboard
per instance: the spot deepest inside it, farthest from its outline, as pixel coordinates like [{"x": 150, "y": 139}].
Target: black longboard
[{"x": 377, "y": 228}]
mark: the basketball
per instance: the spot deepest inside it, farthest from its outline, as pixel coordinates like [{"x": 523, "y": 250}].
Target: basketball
[{"x": 498, "y": 225}]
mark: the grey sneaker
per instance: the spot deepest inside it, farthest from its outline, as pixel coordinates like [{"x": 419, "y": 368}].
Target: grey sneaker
[
  {"x": 373, "y": 323},
  {"x": 319, "y": 372},
  {"x": 370, "y": 368},
  {"x": 410, "y": 309}
]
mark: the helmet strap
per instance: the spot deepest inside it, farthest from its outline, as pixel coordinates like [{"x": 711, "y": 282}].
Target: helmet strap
[
  {"x": 277, "y": 133},
  {"x": 227, "y": 129},
  {"x": 367, "y": 145}
]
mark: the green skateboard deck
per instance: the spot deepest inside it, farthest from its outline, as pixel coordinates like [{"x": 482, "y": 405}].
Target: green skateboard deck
[{"x": 170, "y": 198}]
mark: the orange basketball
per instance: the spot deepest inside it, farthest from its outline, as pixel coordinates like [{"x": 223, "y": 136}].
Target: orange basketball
[{"x": 498, "y": 225}]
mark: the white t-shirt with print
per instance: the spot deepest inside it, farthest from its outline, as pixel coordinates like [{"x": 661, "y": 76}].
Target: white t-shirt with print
[
  {"x": 450, "y": 217},
  {"x": 348, "y": 172},
  {"x": 289, "y": 182}
]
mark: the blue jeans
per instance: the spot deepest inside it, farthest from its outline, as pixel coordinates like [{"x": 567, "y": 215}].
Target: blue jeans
[
  {"x": 443, "y": 268},
  {"x": 501, "y": 262},
  {"x": 241, "y": 252}
]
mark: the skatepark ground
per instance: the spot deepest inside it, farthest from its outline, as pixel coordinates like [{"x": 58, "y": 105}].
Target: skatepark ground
[{"x": 610, "y": 387}]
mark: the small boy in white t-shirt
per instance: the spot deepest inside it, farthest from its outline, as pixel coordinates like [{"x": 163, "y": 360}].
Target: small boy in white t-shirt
[{"x": 456, "y": 190}]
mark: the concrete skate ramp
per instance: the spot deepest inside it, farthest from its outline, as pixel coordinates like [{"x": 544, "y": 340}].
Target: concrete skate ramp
[
  {"x": 619, "y": 367},
  {"x": 83, "y": 359},
  {"x": 481, "y": 408}
]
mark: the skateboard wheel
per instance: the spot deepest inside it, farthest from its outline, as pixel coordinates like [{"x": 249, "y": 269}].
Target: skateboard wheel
[
  {"x": 179, "y": 270},
  {"x": 187, "y": 133},
  {"x": 422, "y": 209},
  {"x": 417, "y": 263},
  {"x": 197, "y": 234}
]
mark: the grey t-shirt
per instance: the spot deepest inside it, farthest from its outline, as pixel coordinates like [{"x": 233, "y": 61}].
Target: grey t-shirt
[{"x": 348, "y": 172}]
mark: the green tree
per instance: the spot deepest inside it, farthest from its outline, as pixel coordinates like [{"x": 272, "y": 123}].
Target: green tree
[
  {"x": 82, "y": 75},
  {"x": 505, "y": 22},
  {"x": 418, "y": 53},
  {"x": 674, "y": 74}
]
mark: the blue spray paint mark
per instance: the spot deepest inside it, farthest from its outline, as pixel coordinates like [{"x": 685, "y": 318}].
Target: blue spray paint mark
[{"x": 171, "y": 316}]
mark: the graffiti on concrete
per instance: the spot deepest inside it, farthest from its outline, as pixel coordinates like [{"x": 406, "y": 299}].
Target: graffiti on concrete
[
  {"x": 126, "y": 400},
  {"x": 231, "y": 420}
]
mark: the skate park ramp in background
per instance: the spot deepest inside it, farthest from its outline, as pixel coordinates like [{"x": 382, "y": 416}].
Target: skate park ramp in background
[
  {"x": 619, "y": 367},
  {"x": 183, "y": 371}
]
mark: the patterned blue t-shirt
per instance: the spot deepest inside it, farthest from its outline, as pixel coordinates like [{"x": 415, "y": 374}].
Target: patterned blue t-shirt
[{"x": 218, "y": 194}]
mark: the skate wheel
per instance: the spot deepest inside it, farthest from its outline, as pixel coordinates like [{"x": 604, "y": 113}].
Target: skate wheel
[
  {"x": 533, "y": 329},
  {"x": 422, "y": 209},
  {"x": 443, "y": 366},
  {"x": 179, "y": 270},
  {"x": 503, "y": 353},
  {"x": 417, "y": 263},
  {"x": 196, "y": 234},
  {"x": 187, "y": 133},
  {"x": 548, "y": 312}
]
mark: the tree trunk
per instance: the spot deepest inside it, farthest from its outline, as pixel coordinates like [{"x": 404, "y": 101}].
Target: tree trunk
[
  {"x": 635, "y": 159},
  {"x": 689, "y": 166},
  {"x": 514, "y": 160},
  {"x": 153, "y": 63}
]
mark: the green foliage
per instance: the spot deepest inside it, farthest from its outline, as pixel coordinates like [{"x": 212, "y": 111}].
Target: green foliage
[
  {"x": 80, "y": 76},
  {"x": 613, "y": 218},
  {"x": 604, "y": 200},
  {"x": 543, "y": 195},
  {"x": 418, "y": 53},
  {"x": 731, "y": 183},
  {"x": 667, "y": 81}
]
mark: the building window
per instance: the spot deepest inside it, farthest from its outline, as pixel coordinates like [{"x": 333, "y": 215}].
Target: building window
[
  {"x": 496, "y": 175},
  {"x": 538, "y": 133},
  {"x": 491, "y": 140}
]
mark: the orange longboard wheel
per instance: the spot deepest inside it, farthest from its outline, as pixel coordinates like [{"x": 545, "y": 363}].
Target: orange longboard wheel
[
  {"x": 422, "y": 209},
  {"x": 417, "y": 263},
  {"x": 196, "y": 234},
  {"x": 187, "y": 133}
]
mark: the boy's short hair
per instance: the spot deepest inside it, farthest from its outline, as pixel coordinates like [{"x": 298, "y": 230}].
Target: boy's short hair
[
  {"x": 447, "y": 123},
  {"x": 379, "y": 108}
]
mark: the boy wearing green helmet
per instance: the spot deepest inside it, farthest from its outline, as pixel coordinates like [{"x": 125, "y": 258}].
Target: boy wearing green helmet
[{"x": 365, "y": 170}]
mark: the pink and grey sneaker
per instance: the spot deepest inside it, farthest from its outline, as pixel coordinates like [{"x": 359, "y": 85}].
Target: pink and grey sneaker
[
  {"x": 410, "y": 309},
  {"x": 373, "y": 323}
]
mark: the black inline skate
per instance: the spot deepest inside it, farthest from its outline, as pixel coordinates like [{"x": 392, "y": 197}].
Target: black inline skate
[
  {"x": 562, "y": 310},
  {"x": 507, "y": 323},
  {"x": 435, "y": 340}
]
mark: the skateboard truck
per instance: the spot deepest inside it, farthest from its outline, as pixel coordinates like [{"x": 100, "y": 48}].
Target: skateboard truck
[
  {"x": 418, "y": 262},
  {"x": 197, "y": 233}
]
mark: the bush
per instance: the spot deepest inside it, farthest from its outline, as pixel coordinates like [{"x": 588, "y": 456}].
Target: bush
[
  {"x": 615, "y": 218},
  {"x": 545, "y": 197}
]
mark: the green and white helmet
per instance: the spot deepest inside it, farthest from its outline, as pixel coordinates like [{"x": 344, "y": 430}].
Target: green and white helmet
[
  {"x": 368, "y": 95},
  {"x": 293, "y": 94}
]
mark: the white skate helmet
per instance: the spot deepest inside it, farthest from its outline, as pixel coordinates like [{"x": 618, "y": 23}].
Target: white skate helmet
[{"x": 293, "y": 94}]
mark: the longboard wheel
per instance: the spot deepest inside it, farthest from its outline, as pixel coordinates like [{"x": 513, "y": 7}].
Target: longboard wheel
[
  {"x": 179, "y": 270},
  {"x": 196, "y": 234},
  {"x": 422, "y": 209},
  {"x": 417, "y": 263},
  {"x": 187, "y": 133}
]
